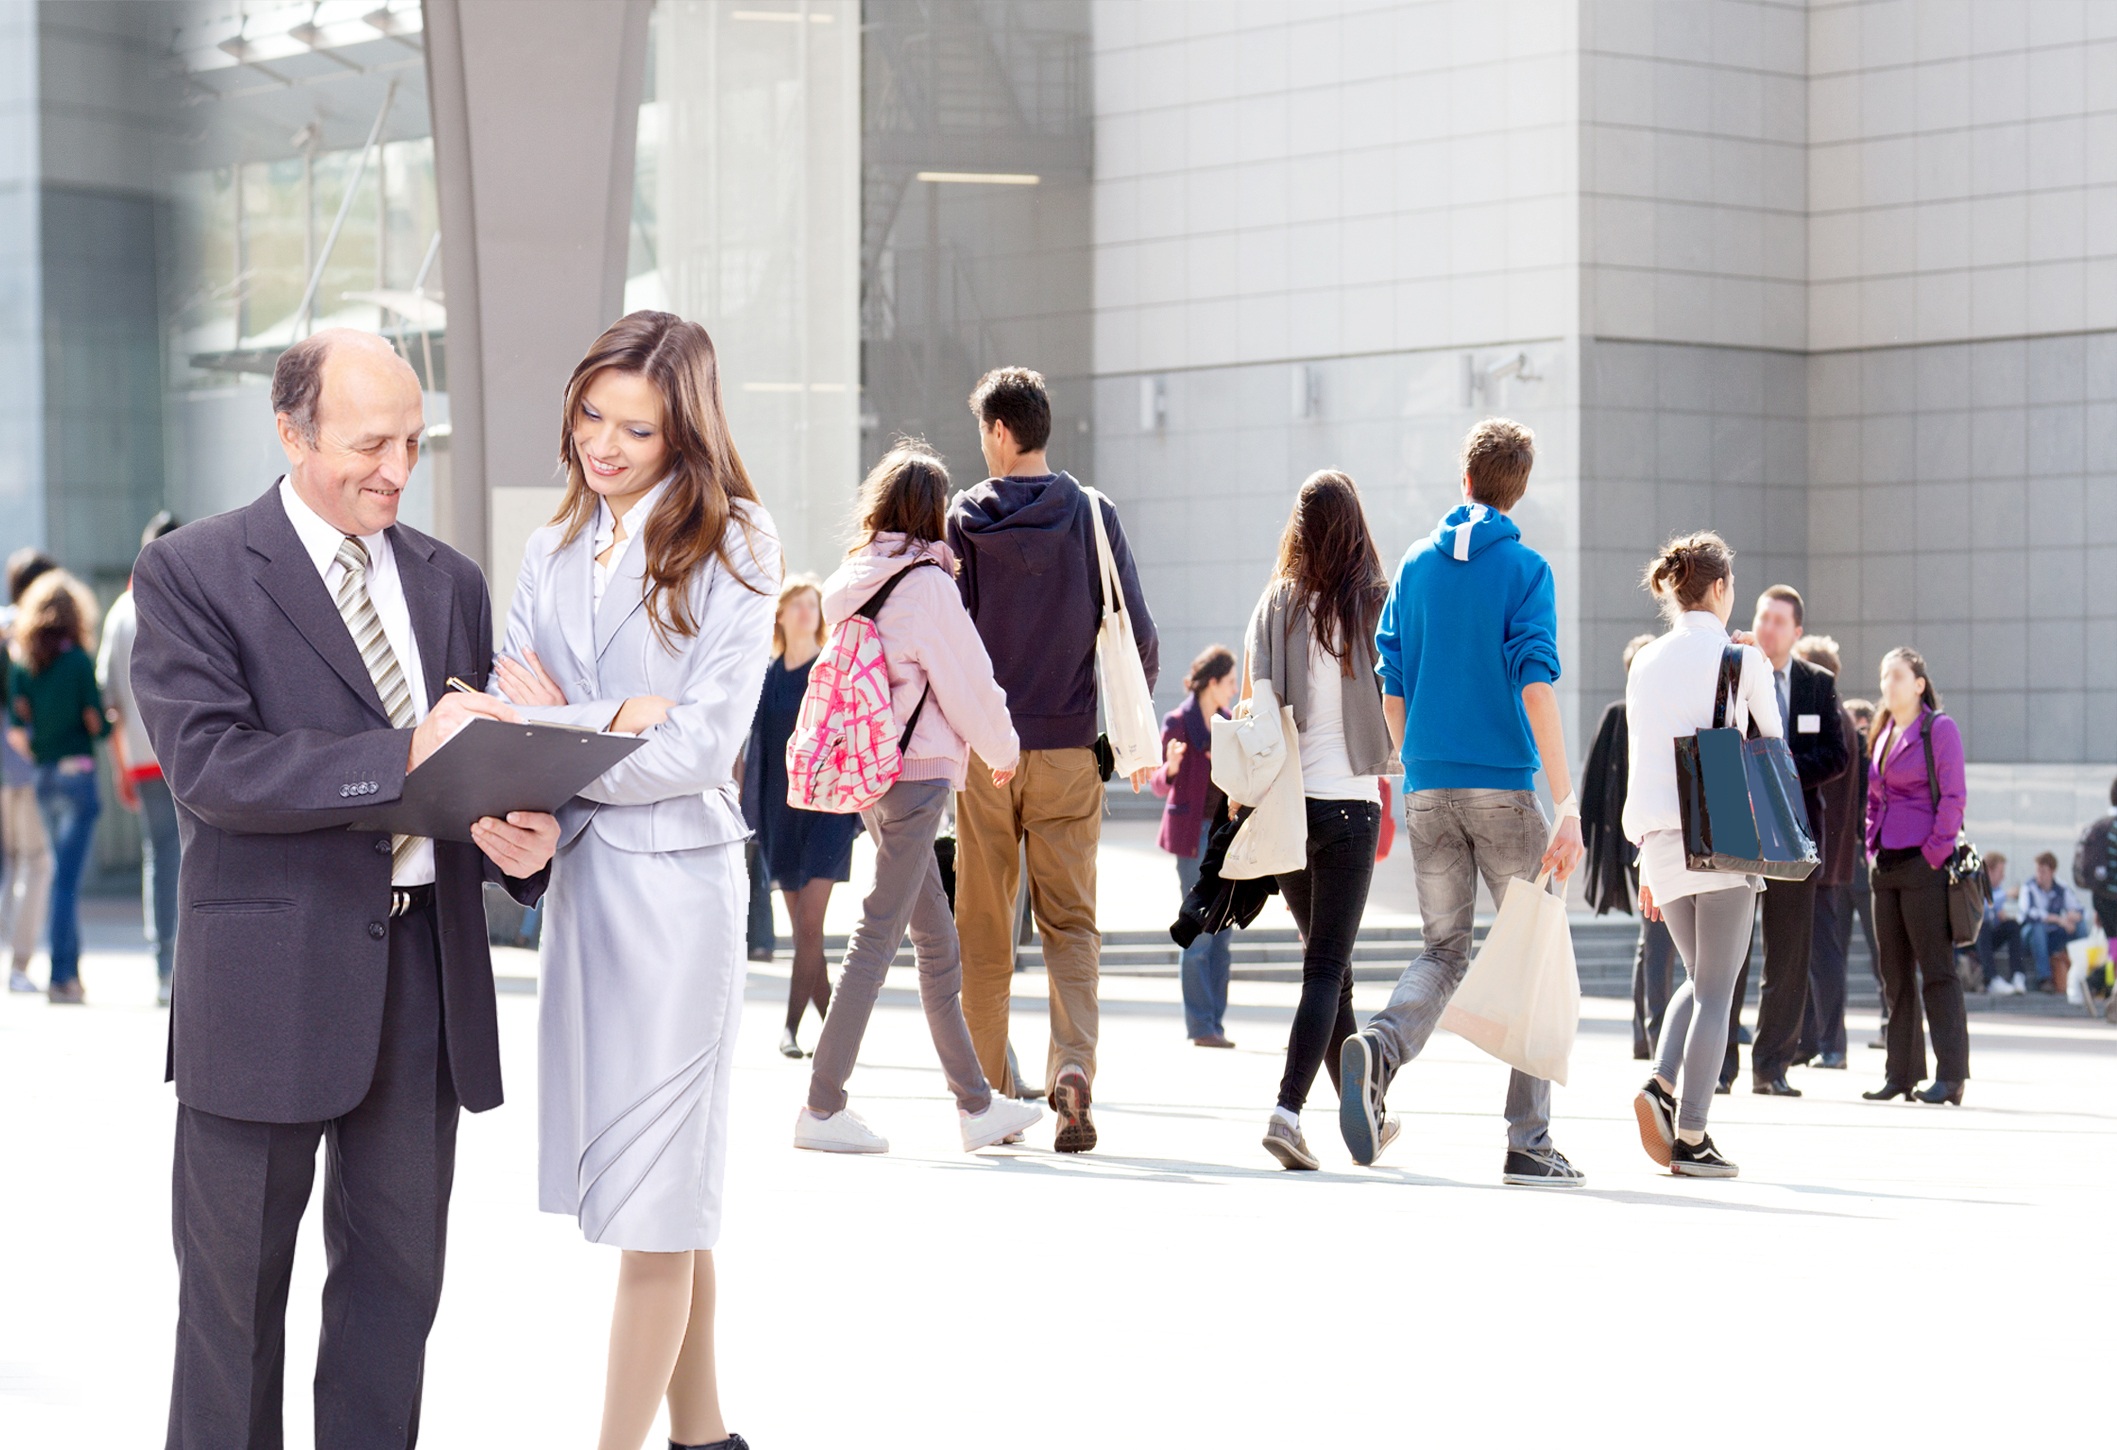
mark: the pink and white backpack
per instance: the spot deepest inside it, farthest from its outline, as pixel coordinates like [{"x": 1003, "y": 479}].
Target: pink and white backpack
[{"x": 843, "y": 755}]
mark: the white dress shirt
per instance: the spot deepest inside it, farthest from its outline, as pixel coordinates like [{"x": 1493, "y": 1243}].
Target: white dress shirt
[
  {"x": 606, "y": 535},
  {"x": 1669, "y": 695},
  {"x": 386, "y": 591}
]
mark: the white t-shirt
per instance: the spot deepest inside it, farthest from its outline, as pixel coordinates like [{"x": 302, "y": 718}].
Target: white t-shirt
[{"x": 1326, "y": 765}]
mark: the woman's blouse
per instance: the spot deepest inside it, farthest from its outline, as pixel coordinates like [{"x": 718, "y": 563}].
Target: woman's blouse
[
  {"x": 1326, "y": 764},
  {"x": 54, "y": 703},
  {"x": 1900, "y": 812}
]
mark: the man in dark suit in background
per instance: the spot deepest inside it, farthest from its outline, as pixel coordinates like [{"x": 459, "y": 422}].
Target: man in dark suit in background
[
  {"x": 1808, "y": 704},
  {"x": 333, "y": 985},
  {"x": 1844, "y": 827}
]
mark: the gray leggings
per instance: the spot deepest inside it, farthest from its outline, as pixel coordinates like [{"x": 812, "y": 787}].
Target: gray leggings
[
  {"x": 1712, "y": 935},
  {"x": 907, "y": 892}
]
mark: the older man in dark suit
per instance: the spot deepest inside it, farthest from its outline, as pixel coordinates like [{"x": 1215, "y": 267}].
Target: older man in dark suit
[{"x": 333, "y": 985}]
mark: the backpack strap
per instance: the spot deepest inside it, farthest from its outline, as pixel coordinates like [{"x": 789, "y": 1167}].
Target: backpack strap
[{"x": 873, "y": 609}]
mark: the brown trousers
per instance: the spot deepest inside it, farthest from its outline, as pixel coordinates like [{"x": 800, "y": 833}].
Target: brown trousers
[{"x": 1054, "y": 805}]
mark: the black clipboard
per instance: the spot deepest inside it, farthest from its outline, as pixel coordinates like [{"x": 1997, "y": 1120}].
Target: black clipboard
[{"x": 488, "y": 769}]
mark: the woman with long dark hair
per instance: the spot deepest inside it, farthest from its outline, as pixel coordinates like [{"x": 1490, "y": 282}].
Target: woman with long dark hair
[
  {"x": 646, "y": 605},
  {"x": 947, "y": 705},
  {"x": 1185, "y": 780},
  {"x": 806, "y": 853},
  {"x": 1312, "y": 636},
  {"x": 56, "y": 715},
  {"x": 1915, "y": 800}
]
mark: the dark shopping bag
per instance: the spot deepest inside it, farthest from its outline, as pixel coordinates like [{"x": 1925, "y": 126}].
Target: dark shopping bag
[{"x": 1740, "y": 798}]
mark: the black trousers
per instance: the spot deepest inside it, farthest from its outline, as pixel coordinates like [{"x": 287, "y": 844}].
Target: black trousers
[
  {"x": 1327, "y": 900},
  {"x": 1918, "y": 967},
  {"x": 1823, "y": 1024},
  {"x": 1653, "y": 973},
  {"x": 240, "y": 1190},
  {"x": 1789, "y": 912}
]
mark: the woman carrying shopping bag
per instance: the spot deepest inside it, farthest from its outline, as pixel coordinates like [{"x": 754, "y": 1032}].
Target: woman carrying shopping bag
[
  {"x": 947, "y": 704},
  {"x": 1312, "y": 637},
  {"x": 1187, "y": 826},
  {"x": 1670, "y": 695}
]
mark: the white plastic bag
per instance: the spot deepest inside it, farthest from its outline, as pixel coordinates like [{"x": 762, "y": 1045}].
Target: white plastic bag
[
  {"x": 1249, "y": 749},
  {"x": 1274, "y": 837},
  {"x": 1128, "y": 705},
  {"x": 1520, "y": 1000}
]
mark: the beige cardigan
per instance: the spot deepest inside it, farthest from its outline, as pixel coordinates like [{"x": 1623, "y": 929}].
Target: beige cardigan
[{"x": 1278, "y": 651}]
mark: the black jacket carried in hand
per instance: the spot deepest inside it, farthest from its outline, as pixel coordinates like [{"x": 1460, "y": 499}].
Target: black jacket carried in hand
[
  {"x": 1816, "y": 737},
  {"x": 273, "y": 739},
  {"x": 1612, "y": 860},
  {"x": 1213, "y": 904}
]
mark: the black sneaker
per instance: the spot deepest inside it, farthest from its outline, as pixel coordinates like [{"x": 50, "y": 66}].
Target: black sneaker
[
  {"x": 1699, "y": 1160},
  {"x": 733, "y": 1442},
  {"x": 1360, "y": 1097},
  {"x": 1655, "y": 1107},
  {"x": 1069, "y": 1100},
  {"x": 1540, "y": 1168}
]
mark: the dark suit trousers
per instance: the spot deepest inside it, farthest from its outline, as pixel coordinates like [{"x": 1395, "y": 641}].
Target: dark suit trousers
[
  {"x": 240, "y": 1191},
  {"x": 1789, "y": 910},
  {"x": 1823, "y": 1025},
  {"x": 1918, "y": 970},
  {"x": 1653, "y": 970}
]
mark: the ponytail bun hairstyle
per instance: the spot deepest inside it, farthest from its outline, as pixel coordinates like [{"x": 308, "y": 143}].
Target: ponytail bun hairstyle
[{"x": 1683, "y": 574}]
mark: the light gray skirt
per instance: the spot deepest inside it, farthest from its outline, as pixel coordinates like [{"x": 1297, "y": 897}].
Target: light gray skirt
[{"x": 640, "y": 1003}]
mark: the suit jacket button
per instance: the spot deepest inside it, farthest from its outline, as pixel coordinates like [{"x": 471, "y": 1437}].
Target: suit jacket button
[
  {"x": 344, "y": 791},
  {"x": 377, "y": 930},
  {"x": 382, "y": 847}
]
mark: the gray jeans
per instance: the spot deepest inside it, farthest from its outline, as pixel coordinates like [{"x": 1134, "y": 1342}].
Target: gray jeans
[
  {"x": 1457, "y": 836},
  {"x": 907, "y": 892}
]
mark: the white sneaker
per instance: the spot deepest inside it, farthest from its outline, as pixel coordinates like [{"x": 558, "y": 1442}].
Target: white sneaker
[
  {"x": 2021, "y": 985},
  {"x": 1003, "y": 1121},
  {"x": 2001, "y": 987},
  {"x": 842, "y": 1132},
  {"x": 19, "y": 982}
]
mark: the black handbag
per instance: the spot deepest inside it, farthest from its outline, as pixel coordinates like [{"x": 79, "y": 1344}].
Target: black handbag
[
  {"x": 1969, "y": 888},
  {"x": 1740, "y": 798}
]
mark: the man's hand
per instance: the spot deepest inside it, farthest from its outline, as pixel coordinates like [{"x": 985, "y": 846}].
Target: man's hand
[
  {"x": 1565, "y": 850},
  {"x": 128, "y": 791},
  {"x": 451, "y": 713},
  {"x": 640, "y": 714},
  {"x": 1172, "y": 762},
  {"x": 1140, "y": 777},
  {"x": 521, "y": 845}
]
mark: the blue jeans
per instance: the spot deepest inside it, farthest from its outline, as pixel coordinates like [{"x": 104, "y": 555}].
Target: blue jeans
[
  {"x": 2046, "y": 940},
  {"x": 69, "y": 805},
  {"x": 160, "y": 848},
  {"x": 1205, "y": 960}
]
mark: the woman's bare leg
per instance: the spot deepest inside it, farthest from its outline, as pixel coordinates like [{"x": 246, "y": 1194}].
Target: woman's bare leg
[
  {"x": 647, "y": 1332},
  {"x": 694, "y": 1388}
]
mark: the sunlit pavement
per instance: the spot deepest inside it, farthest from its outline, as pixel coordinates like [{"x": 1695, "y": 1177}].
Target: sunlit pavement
[{"x": 1881, "y": 1273}]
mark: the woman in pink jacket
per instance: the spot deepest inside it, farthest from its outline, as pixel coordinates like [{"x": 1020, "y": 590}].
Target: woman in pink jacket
[{"x": 943, "y": 692}]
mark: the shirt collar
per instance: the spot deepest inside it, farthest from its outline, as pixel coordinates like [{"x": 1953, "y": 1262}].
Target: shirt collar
[
  {"x": 1703, "y": 619},
  {"x": 606, "y": 522},
  {"x": 319, "y": 538}
]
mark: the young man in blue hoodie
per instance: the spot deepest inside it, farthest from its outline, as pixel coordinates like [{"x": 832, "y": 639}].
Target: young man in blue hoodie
[{"x": 1468, "y": 646}]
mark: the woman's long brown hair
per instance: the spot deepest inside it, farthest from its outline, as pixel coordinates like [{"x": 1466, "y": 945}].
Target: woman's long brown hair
[
  {"x": 57, "y": 609},
  {"x": 690, "y": 522},
  {"x": 1328, "y": 557}
]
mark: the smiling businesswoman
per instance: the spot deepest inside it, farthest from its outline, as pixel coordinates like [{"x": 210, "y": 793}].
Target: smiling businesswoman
[{"x": 647, "y": 603}]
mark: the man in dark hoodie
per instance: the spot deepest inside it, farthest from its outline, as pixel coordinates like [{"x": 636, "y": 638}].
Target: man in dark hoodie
[
  {"x": 1029, "y": 576},
  {"x": 1468, "y": 653}
]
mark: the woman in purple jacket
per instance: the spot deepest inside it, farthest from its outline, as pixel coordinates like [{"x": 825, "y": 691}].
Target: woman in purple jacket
[
  {"x": 1187, "y": 823},
  {"x": 1911, "y": 830}
]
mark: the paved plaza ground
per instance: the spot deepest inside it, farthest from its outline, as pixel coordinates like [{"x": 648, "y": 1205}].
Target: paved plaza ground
[{"x": 1880, "y": 1274}]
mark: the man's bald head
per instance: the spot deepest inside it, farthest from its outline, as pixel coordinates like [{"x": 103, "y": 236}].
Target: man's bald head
[{"x": 350, "y": 414}]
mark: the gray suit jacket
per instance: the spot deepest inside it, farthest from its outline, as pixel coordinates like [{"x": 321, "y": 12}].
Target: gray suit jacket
[
  {"x": 267, "y": 724},
  {"x": 676, "y": 792}
]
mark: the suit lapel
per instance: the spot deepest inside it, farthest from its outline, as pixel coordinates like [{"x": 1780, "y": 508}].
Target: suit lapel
[
  {"x": 290, "y": 577},
  {"x": 573, "y": 587},
  {"x": 623, "y": 594},
  {"x": 431, "y": 600}
]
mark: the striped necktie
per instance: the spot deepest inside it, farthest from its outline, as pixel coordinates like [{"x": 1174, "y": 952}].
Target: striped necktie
[{"x": 358, "y": 610}]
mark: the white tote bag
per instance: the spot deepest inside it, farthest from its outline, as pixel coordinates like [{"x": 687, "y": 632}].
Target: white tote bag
[
  {"x": 1520, "y": 1000},
  {"x": 1274, "y": 837},
  {"x": 1249, "y": 749},
  {"x": 1128, "y": 705}
]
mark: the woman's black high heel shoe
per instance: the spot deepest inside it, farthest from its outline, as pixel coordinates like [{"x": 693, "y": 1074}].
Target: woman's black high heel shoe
[
  {"x": 1940, "y": 1091},
  {"x": 1905, "y": 1090}
]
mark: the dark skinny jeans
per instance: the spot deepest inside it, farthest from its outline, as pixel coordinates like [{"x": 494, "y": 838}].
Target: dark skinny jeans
[{"x": 1327, "y": 900}]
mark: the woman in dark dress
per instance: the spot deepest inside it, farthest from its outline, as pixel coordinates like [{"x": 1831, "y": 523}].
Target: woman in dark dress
[{"x": 805, "y": 853}]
